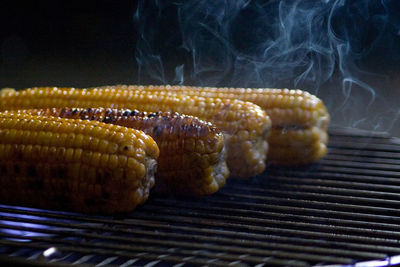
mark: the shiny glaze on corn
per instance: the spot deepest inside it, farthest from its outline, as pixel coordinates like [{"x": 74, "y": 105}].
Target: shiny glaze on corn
[
  {"x": 84, "y": 166},
  {"x": 192, "y": 155},
  {"x": 244, "y": 124},
  {"x": 299, "y": 119}
]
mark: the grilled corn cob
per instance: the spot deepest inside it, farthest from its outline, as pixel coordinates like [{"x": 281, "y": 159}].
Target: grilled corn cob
[
  {"x": 244, "y": 124},
  {"x": 85, "y": 166},
  {"x": 299, "y": 119},
  {"x": 192, "y": 156}
]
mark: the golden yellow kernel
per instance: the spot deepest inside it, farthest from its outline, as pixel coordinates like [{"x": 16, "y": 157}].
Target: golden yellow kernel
[
  {"x": 69, "y": 155},
  {"x": 117, "y": 137},
  {"x": 113, "y": 161},
  {"x": 112, "y": 148},
  {"x": 11, "y": 136},
  {"x": 86, "y": 141},
  {"x": 78, "y": 154},
  {"x": 69, "y": 142},
  {"x": 94, "y": 143},
  {"x": 60, "y": 154},
  {"x": 104, "y": 160},
  {"x": 141, "y": 171},
  {"x": 139, "y": 154},
  {"x": 133, "y": 163},
  {"x": 25, "y": 135},
  {"x": 64, "y": 127},
  {"x": 103, "y": 146},
  {"x": 122, "y": 160},
  {"x": 95, "y": 161},
  {"x": 78, "y": 141}
]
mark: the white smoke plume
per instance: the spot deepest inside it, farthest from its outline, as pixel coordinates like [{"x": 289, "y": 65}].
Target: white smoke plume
[{"x": 336, "y": 49}]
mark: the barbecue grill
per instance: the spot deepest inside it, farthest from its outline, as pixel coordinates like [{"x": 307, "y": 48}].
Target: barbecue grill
[{"x": 341, "y": 211}]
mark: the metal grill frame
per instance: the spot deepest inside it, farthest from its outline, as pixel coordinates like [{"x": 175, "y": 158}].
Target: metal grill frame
[{"x": 341, "y": 211}]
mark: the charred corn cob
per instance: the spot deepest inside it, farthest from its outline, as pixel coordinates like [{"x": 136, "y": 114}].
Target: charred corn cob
[
  {"x": 299, "y": 119},
  {"x": 192, "y": 156},
  {"x": 85, "y": 166},
  {"x": 244, "y": 124}
]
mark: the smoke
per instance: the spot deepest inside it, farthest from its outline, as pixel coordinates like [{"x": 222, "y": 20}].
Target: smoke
[{"x": 337, "y": 49}]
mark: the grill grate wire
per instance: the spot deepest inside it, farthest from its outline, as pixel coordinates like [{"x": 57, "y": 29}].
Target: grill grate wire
[{"x": 342, "y": 211}]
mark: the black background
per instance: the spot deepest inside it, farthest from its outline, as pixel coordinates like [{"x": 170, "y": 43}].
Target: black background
[{"x": 63, "y": 43}]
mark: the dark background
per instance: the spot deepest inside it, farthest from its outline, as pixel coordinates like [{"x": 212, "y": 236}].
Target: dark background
[
  {"x": 63, "y": 43},
  {"x": 67, "y": 43}
]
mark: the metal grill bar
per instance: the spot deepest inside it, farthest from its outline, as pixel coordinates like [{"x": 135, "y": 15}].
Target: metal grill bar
[
  {"x": 342, "y": 210},
  {"x": 203, "y": 238}
]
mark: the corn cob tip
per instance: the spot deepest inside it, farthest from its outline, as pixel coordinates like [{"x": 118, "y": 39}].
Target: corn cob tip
[{"x": 84, "y": 166}]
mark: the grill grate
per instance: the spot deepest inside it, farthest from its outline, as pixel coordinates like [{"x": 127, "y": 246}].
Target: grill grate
[{"x": 341, "y": 211}]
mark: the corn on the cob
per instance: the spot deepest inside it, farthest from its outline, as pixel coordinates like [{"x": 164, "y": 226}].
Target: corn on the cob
[
  {"x": 192, "y": 156},
  {"x": 84, "y": 166},
  {"x": 299, "y": 119},
  {"x": 244, "y": 124}
]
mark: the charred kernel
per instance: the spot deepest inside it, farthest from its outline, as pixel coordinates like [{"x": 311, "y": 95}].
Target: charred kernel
[
  {"x": 126, "y": 112},
  {"x": 134, "y": 112},
  {"x": 107, "y": 119}
]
